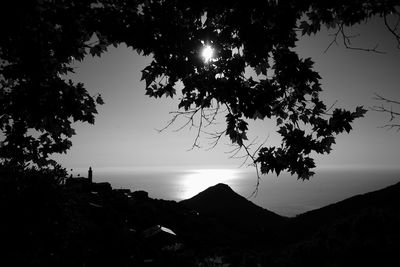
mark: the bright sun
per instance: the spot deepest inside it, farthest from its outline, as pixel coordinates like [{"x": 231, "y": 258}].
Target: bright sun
[{"x": 207, "y": 53}]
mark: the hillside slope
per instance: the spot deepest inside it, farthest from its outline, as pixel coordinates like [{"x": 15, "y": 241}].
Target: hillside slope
[{"x": 363, "y": 230}]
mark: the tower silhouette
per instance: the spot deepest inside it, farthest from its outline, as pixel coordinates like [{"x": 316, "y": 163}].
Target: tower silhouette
[{"x": 90, "y": 175}]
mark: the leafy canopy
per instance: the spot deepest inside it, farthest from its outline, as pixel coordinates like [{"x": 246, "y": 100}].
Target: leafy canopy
[{"x": 39, "y": 44}]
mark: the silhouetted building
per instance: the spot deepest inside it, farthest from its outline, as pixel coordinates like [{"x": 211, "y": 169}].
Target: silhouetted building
[
  {"x": 140, "y": 195},
  {"x": 104, "y": 187},
  {"x": 160, "y": 236},
  {"x": 78, "y": 183}
]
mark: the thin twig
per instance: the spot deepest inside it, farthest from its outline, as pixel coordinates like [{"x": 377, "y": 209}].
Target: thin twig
[
  {"x": 393, "y": 30},
  {"x": 393, "y": 114},
  {"x": 347, "y": 41},
  {"x": 381, "y": 98}
]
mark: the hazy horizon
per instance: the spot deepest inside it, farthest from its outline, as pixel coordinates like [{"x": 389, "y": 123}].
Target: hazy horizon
[{"x": 284, "y": 195}]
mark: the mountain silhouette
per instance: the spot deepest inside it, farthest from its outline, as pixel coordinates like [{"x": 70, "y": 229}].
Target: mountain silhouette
[
  {"x": 221, "y": 201},
  {"x": 387, "y": 198},
  {"x": 359, "y": 231},
  {"x": 233, "y": 217}
]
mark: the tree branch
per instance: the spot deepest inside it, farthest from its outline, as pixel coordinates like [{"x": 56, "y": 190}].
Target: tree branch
[
  {"x": 249, "y": 155},
  {"x": 393, "y": 30},
  {"x": 383, "y": 109},
  {"x": 206, "y": 118},
  {"x": 347, "y": 41}
]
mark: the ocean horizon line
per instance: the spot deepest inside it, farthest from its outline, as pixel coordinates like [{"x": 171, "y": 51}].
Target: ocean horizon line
[
  {"x": 285, "y": 195},
  {"x": 184, "y": 168}
]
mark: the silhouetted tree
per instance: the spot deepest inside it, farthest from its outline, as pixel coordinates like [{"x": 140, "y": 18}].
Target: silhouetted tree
[{"x": 39, "y": 43}]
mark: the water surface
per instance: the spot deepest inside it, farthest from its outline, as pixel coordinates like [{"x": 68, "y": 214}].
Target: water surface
[{"x": 284, "y": 195}]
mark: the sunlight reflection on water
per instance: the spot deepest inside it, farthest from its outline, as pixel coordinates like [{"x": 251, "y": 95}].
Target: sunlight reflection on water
[
  {"x": 194, "y": 181},
  {"x": 284, "y": 195}
]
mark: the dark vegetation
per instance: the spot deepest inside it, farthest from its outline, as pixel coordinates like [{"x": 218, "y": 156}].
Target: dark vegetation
[
  {"x": 41, "y": 40},
  {"x": 84, "y": 224}
]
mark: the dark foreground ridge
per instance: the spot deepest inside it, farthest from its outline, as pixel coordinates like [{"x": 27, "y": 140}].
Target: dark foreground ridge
[
  {"x": 91, "y": 224},
  {"x": 363, "y": 230}
]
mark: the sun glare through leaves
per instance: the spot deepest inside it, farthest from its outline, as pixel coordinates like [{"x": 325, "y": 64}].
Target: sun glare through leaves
[{"x": 207, "y": 53}]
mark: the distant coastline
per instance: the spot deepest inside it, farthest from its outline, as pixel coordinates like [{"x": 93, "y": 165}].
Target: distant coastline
[{"x": 284, "y": 195}]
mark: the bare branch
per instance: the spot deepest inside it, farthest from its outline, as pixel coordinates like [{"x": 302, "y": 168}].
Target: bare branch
[
  {"x": 169, "y": 123},
  {"x": 393, "y": 30},
  {"x": 347, "y": 41},
  {"x": 251, "y": 156},
  {"x": 329, "y": 109},
  {"x": 216, "y": 136},
  {"x": 383, "y": 109},
  {"x": 381, "y": 98},
  {"x": 211, "y": 117},
  {"x": 199, "y": 118},
  {"x": 195, "y": 143},
  {"x": 391, "y": 126},
  {"x": 334, "y": 40},
  {"x": 178, "y": 114},
  {"x": 234, "y": 152}
]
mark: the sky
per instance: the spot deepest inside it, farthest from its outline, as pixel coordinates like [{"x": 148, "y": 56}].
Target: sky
[{"x": 125, "y": 135}]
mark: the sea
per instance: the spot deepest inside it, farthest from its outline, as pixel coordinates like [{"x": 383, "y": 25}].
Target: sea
[{"x": 284, "y": 195}]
